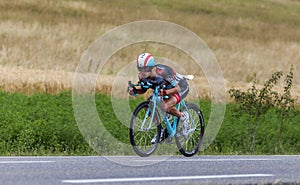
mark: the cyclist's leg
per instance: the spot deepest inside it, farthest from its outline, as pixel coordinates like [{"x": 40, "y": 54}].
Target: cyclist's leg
[
  {"x": 184, "y": 114},
  {"x": 168, "y": 106}
]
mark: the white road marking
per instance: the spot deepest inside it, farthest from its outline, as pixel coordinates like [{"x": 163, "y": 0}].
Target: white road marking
[
  {"x": 209, "y": 160},
  {"x": 189, "y": 159},
  {"x": 23, "y": 162},
  {"x": 114, "y": 180}
]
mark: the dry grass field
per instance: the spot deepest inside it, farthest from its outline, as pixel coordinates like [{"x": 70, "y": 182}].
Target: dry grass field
[{"x": 41, "y": 42}]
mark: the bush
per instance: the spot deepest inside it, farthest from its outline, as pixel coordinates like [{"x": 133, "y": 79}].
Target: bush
[{"x": 256, "y": 103}]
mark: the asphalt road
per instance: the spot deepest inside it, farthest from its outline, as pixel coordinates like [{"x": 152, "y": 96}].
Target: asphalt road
[{"x": 152, "y": 170}]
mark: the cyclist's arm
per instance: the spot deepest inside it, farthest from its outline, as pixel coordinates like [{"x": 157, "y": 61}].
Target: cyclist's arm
[
  {"x": 140, "y": 91},
  {"x": 135, "y": 91}
]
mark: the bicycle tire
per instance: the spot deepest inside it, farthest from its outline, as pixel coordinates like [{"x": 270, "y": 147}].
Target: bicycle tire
[
  {"x": 141, "y": 139},
  {"x": 189, "y": 145}
]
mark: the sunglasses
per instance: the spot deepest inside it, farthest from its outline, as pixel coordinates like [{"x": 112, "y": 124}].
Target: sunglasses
[{"x": 145, "y": 69}]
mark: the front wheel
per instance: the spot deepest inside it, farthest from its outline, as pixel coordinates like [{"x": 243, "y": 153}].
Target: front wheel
[
  {"x": 188, "y": 145},
  {"x": 141, "y": 134}
]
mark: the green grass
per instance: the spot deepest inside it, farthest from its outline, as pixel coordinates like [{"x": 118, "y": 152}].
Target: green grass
[
  {"x": 232, "y": 138},
  {"x": 44, "y": 124},
  {"x": 39, "y": 125}
]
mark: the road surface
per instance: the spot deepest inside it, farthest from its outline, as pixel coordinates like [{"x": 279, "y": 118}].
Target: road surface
[{"x": 151, "y": 170}]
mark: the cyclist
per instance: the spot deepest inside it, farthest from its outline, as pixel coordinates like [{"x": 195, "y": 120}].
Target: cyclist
[{"x": 177, "y": 87}]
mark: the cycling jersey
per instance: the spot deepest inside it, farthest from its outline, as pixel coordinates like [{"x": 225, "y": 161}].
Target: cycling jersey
[{"x": 172, "y": 79}]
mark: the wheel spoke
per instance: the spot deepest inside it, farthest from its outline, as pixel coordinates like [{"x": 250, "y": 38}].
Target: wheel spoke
[{"x": 141, "y": 137}]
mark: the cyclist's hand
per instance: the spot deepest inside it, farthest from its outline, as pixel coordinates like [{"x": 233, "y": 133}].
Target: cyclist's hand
[
  {"x": 163, "y": 92},
  {"x": 131, "y": 92}
]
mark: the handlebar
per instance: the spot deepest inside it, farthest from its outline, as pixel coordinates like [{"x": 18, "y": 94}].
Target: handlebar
[
  {"x": 157, "y": 85},
  {"x": 158, "y": 82}
]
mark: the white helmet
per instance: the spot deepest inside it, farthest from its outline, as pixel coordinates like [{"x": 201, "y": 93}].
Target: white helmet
[{"x": 145, "y": 60}]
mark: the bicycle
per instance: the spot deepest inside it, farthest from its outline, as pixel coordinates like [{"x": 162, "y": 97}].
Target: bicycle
[{"x": 146, "y": 124}]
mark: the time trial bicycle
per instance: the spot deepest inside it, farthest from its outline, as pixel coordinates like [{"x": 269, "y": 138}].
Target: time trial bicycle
[{"x": 146, "y": 124}]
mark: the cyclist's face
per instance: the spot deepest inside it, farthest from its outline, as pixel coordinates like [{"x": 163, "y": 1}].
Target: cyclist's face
[{"x": 145, "y": 71}]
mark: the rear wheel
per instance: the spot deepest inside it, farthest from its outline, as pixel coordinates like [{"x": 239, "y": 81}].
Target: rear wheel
[
  {"x": 141, "y": 135},
  {"x": 189, "y": 145}
]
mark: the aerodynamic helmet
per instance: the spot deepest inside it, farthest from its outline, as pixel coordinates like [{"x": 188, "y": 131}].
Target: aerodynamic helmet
[{"x": 145, "y": 61}]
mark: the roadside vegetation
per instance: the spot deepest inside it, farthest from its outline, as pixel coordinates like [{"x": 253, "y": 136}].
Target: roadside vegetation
[
  {"x": 256, "y": 103},
  {"x": 44, "y": 124}
]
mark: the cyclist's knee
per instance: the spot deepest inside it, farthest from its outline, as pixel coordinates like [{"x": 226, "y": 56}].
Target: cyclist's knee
[
  {"x": 167, "y": 108},
  {"x": 168, "y": 104},
  {"x": 164, "y": 107}
]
